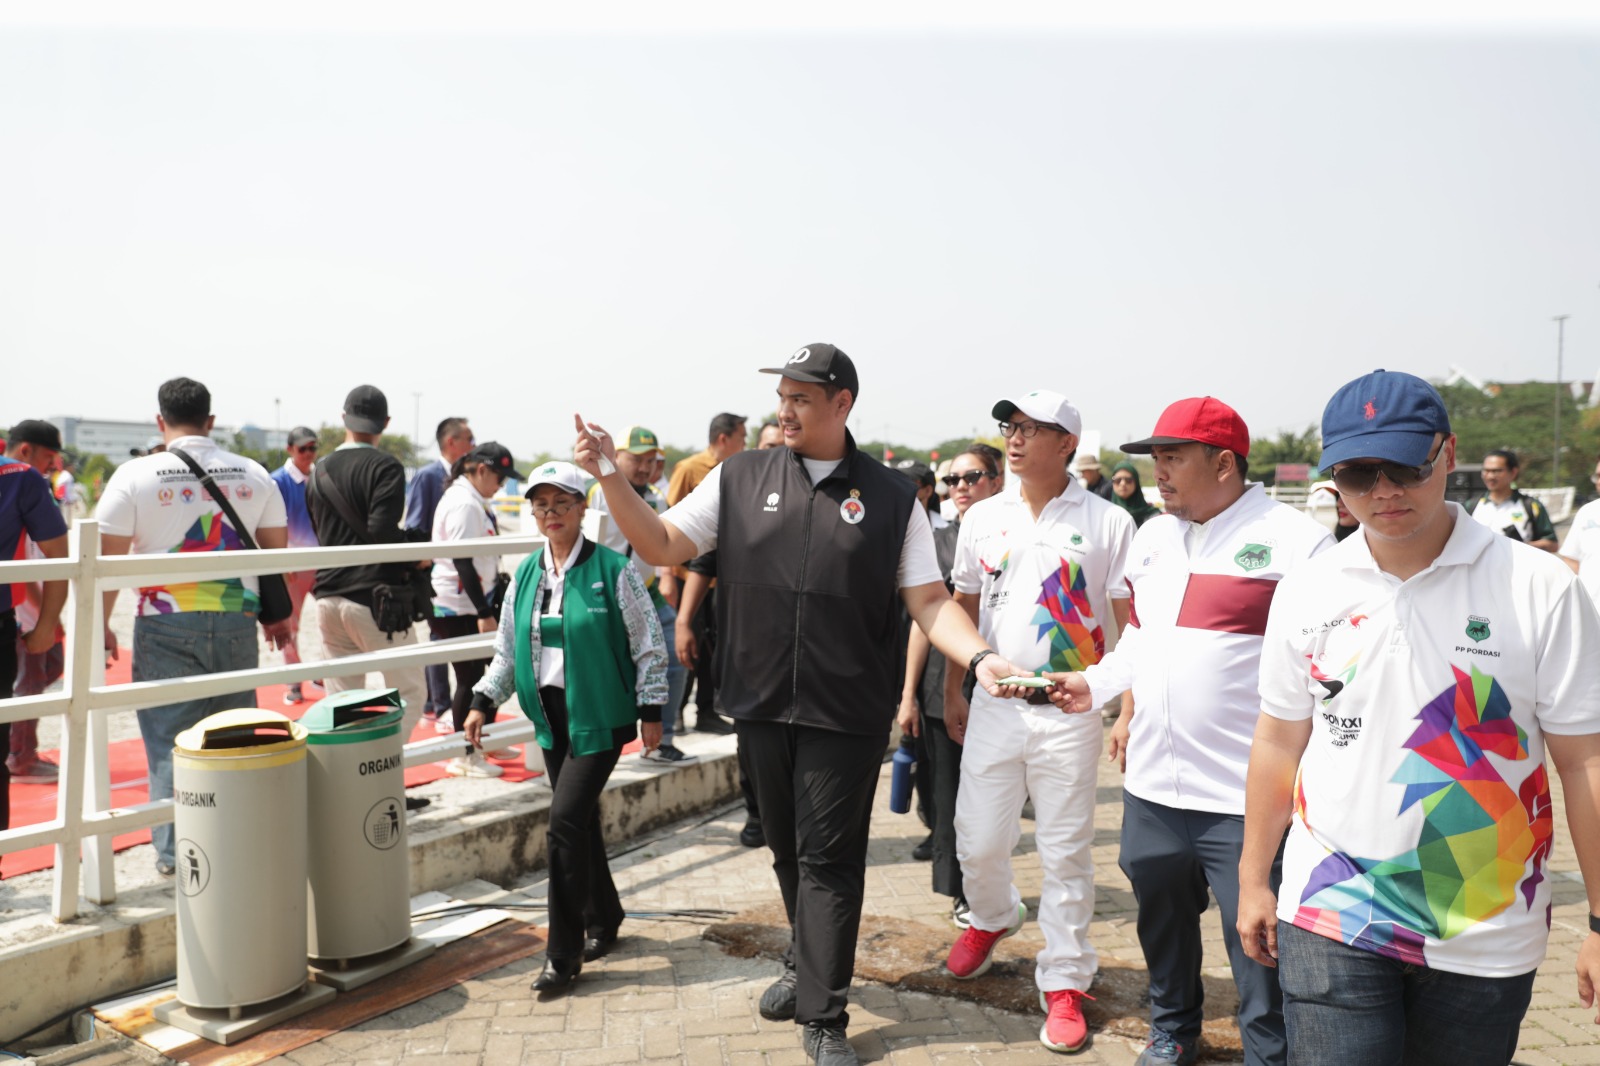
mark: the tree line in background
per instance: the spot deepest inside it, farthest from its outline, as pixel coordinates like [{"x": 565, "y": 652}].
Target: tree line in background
[{"x": 1520, "y": 417}]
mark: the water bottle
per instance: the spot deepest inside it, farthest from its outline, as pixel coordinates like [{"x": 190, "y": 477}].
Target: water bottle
[{"x": 905, "y": 758}]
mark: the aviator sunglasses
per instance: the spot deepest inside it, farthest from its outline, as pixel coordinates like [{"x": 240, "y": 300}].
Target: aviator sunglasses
[{"x": 1358, "y": 479}]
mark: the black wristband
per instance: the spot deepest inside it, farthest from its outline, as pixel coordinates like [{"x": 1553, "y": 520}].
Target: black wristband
[
  {"x": 972, "y": 665},
  {"x": 1594, "y": 924}
]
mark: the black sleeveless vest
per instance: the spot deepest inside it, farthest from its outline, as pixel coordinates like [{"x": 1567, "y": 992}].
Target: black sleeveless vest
[{"x": 807, "y": 599}]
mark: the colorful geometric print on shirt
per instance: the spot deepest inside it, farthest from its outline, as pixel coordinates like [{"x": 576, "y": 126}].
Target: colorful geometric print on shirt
[
  {"x": 1076, "y": 637},
  {"x": 210, "y": 533},
  {"x": 1478, "y": 837}
]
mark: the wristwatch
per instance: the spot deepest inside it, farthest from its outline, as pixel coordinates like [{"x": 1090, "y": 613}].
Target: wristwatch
[
  {"x": 972, "y": 665},
  {"x": 1594, "y": 924}
]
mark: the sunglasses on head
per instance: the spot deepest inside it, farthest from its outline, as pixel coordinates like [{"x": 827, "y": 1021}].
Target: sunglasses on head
[
  {"x": 1358, "y": 479},
  {"x": 971, "y": 477}
]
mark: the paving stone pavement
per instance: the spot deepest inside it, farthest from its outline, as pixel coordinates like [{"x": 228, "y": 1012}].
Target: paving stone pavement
[{"x": 668, "y": 996}]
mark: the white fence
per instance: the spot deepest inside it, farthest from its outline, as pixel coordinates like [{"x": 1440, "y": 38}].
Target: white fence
[{"x": 85, "y": 823}]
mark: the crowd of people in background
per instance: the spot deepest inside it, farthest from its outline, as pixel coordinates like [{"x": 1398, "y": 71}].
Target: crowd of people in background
[{"x": 1303, "y": 716}]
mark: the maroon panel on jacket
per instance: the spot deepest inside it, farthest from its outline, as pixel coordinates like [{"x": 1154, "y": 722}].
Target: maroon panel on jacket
[{"x": 1224, "y": 603}]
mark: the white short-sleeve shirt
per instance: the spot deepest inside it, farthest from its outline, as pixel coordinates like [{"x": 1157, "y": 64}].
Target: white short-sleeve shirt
[
  {"x": 1422, "y": 819},
  {"x": 696, "y": 515},
  {"x": 157, "y": 501},
  {"x": 1045, "y": 583},
  {"x": 1582, "y": 546}
]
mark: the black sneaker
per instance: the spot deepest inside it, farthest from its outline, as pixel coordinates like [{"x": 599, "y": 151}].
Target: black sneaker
[
  {"x": 826, "y": 1046},
  {"x": 923, "y": 852},
  {"x": 777, "y": 1002},
  {"x": 752, "y": 835},
  {"x": 667, "y": 753}
]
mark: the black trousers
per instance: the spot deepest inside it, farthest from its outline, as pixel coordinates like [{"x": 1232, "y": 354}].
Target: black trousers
[
  {"x": 704, "y": 627},
  {"x": 583, "y": 898},
  {"x": 467, "y": 673},
  {"x": 942, "y": 767},
  {"x": 815, "y": 790},
  {"x": 8, "y": 677},
  {"x": 1171, "y": 857}
]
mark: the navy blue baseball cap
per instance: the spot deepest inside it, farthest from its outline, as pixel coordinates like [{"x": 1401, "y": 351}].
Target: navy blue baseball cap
[{"x": 1383, "y": 415}]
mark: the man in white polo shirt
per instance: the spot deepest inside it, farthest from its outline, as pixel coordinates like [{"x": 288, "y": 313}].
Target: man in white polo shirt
[
  {"x": 1412, "y": 680},
  {"x": 1037, "y": 572},
  {"x": 1581, "y": 548},
  {"x": 1506, "y": 509},
  {"x": 156, "y": 504},
  {"x": 1203, "y": 576}
]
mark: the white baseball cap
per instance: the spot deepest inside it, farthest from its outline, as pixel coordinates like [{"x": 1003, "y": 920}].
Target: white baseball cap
[
  {"x": 1042, "y": 405},
  {"x": 562, "y": 475}
]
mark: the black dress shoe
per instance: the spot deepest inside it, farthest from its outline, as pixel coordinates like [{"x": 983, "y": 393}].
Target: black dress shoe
[
  {"x": 597, "y": 947},
  {"x": 923, "y": 852},
  {"x": 751, "y": 835},
  {"x": 557, "y": 974},
  {"x": 416, "y": 803},
  {"x": 713, "y": 723}
]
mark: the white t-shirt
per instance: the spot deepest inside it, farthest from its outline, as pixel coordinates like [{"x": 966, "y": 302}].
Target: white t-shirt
[
  {"x": 462, "y": 514},
  {"x": 157, "y": 501},
  {"x": 696, "y": 515},
  {"x": 1582, "y": 546},
  {"x": 1423, "y": 821},
  {"x": 1046, "y": 583},
  {"x": 553, "y": 661}
]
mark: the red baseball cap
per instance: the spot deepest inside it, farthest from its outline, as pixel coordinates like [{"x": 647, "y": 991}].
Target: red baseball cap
[{"x": 1197, "y": 420}]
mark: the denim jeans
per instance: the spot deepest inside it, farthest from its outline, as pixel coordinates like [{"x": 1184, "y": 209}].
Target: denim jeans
[
  {"x": 677, "y": 677},
  {"x": 1345, "y": 1005},
  {"x": 183, "y": 645}
]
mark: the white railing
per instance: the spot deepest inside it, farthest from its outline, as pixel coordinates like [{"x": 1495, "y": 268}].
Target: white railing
[{"x": 85, "y": 822}]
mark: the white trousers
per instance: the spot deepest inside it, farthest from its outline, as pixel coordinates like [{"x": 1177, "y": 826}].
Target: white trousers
[
  {"x": 1015, "y": 750},
  {"x": 347, "y": 628}
]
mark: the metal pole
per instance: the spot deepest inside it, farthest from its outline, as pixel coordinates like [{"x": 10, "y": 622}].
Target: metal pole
[
  {"x": 416, "y": 430},
  {"x": 1561, "y": 339}
]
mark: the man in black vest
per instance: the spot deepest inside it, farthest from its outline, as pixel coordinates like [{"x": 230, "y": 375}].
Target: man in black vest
[{"x": 816, "y": 541}]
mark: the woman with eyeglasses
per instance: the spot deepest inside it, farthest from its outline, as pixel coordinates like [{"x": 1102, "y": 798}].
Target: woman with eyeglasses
[
  {"x": 974, "y": 475},
  {"x": 464, "y": 589},
  {"x": 1128, "y": 493},
  {"x": 580, "y": 646}
]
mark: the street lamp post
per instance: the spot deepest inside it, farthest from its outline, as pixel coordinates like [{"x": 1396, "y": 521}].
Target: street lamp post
[{"x": 1561, "y": 339}]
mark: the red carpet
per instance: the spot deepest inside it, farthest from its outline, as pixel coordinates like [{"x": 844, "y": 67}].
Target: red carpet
[{"x": 34, "y": 804}]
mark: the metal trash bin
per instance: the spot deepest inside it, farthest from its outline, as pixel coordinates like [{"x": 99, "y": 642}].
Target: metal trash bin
[
  {"x": 239, "y": 819},
  {"x": 359, "y": 888}
]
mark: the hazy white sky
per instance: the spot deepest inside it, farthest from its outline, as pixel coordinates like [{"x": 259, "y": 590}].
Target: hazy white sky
[{"x": 516, "y": 219}]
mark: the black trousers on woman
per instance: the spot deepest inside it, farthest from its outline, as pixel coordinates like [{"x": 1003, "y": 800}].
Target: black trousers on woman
[
  {"x": 583, "y": 898},
  {"x": 467, "y": 673},
  {"x": 944, "y": 782}
]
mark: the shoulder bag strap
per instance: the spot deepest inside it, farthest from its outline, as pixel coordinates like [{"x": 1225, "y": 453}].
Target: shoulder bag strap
[
  {"x": 217, "y": 496},
  {"x": 326, "y": 486}
]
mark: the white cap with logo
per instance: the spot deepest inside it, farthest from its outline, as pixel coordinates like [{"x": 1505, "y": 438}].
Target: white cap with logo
[{"x": 1045, "y": 406}]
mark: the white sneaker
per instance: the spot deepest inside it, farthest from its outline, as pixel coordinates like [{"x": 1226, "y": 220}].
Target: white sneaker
[
  {"x": 474, "y": 765},
  {"x": 444, "y": 725}
]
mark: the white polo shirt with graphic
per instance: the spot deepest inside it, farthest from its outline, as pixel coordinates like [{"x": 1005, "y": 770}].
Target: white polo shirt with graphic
[
  {"x": 1422, "y": 815},
  {"x": 157, "y": 501},
  {"x": 1045, "y": 584}
]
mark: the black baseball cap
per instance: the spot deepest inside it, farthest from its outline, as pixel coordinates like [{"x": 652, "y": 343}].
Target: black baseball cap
[
  {"x": 916, "y": 471},
  {"x": 821, "y": 364},
  {"x": 37, "y": 432},
  {"x": 498, "y": 457},
  {"x": 301, "y": 435},
  {"x": 366, "y": 409}
]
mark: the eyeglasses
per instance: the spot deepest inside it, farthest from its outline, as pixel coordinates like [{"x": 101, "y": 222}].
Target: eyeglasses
[
  {"x": 971, "y": 477},
  {"x": 1027, "y": 429},
  {"x": 304, "y": 448},
  {"x": 1358, "y": 479},
  {"x": 554, "y": 510}
]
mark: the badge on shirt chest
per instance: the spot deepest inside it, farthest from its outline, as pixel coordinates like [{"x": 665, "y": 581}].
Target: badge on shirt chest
[{"x": 853, "y": 510}]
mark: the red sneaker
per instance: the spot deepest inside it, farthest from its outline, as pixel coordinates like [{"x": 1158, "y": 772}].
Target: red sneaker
[
  {"x": 973, "y": 951},
  {"x": 1064, "y": 1028}
]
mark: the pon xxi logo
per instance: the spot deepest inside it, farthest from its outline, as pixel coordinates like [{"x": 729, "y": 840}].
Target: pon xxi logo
[{"x": 1253, "y": 557}]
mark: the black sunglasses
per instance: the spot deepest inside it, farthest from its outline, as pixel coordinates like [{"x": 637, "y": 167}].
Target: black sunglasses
[
  {"x": 1358, "y": 479},
  {"x": 971, "y": 477},
  {"x": 303, "y": 448}
]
